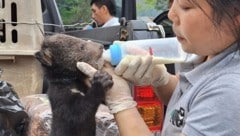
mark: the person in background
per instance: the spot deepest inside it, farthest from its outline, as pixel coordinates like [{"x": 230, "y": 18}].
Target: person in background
[
  {"x": 103, "y": 13},
  {"x": 203, "y": 98}
]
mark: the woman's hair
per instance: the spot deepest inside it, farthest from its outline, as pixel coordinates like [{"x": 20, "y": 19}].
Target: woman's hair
[
  {"x": 225, "y": 11},
  {"x": 110, "y": 4}
]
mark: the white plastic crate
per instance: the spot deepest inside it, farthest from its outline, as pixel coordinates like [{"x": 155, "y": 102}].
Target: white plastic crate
[{"x": 20, "y": 37}]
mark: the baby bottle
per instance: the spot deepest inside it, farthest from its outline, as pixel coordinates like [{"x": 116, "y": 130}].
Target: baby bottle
[{"x": 166, "y": 50}]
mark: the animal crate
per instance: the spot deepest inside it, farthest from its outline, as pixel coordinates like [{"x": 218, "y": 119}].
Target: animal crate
[{"x": 21, "y": 34}]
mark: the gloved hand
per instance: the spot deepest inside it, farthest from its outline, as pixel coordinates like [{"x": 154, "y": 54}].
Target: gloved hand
[
  {"x": 146, "y": 70},
  {"x": 118, "y": 98}
]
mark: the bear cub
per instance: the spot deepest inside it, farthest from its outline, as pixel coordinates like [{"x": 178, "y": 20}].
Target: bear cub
[{"x": 73, "y": 102}]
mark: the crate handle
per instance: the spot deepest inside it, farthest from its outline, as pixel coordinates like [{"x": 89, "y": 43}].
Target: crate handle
[{"x": 7, "y": 57}]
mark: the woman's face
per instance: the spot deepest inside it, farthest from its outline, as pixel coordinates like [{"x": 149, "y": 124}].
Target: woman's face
[{"x": 194, "y": 28}]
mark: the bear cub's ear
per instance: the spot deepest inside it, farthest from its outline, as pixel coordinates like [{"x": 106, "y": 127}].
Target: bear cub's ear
[{"x": 44, "y": 57}]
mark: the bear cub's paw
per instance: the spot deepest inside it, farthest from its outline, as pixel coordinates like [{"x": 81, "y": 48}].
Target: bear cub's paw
[{"x": 102, "y": 78}]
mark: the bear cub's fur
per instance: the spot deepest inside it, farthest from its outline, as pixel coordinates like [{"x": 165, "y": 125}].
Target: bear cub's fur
[{"x": 74, "y": 104}]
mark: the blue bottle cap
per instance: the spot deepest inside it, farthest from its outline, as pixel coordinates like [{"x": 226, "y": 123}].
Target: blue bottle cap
[
  {"x": 116, "y": 54},
  {"x": 88, "y": 27}
]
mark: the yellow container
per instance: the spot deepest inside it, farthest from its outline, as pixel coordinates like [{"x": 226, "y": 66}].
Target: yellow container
[{"x": 21, "y": 34}]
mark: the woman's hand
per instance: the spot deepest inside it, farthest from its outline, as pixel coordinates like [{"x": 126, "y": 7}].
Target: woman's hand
[
  {"x": 143, "y": 70},
  {"x": 119, "y": 97}
]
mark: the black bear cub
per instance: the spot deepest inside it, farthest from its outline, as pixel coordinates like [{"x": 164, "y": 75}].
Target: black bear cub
[{"x": 74, "y": 103}]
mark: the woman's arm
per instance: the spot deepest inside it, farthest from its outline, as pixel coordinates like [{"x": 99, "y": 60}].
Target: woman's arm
[
  {"x": 130, "y": 123},
  {"x": 165, "y": 92}
]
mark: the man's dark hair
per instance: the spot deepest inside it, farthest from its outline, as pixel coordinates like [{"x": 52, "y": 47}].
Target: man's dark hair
[{"x": 110, "y": 4}]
